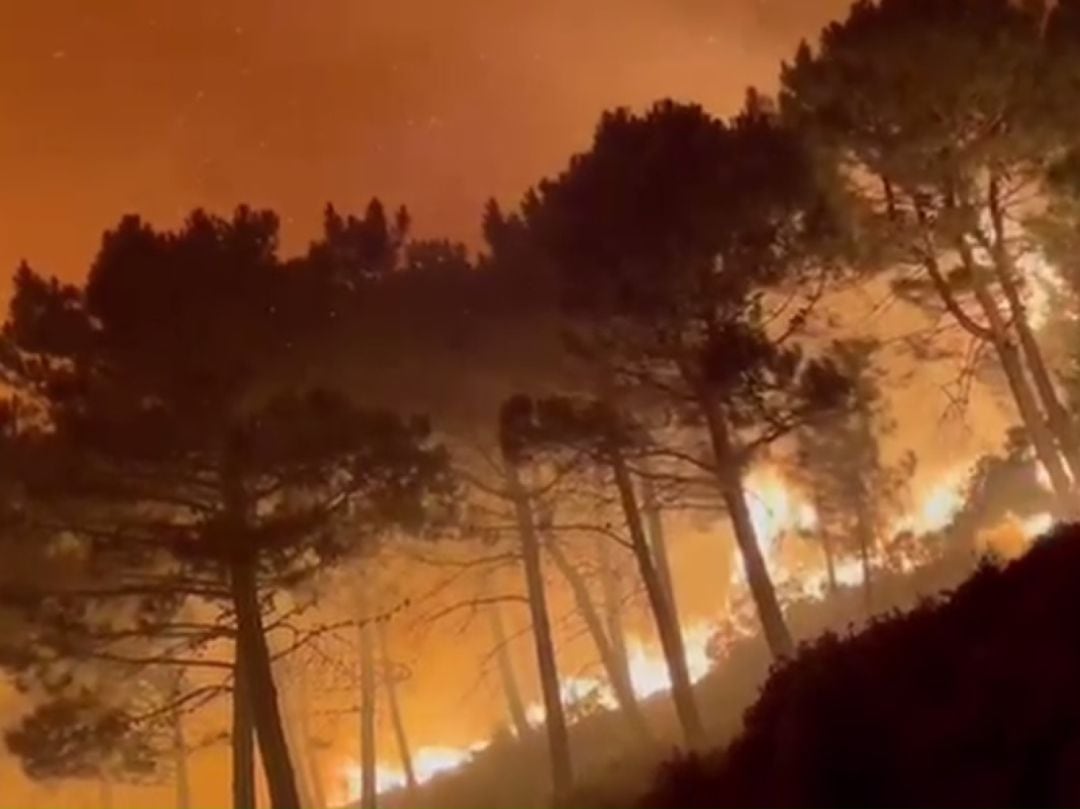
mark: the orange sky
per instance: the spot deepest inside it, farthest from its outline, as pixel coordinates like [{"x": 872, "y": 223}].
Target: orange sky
[{"x": 156, "y": 106}]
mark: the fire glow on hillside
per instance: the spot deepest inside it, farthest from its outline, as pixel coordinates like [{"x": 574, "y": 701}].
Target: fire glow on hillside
[{"x": 777, "y": 510}]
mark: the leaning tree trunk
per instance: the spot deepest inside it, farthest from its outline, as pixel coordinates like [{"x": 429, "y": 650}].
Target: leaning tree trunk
[
  {"x": 996, "y": 331},
  {"x": 1058, "y": 419},
  {"x": 514, "y": 703},
  {"x": 865, "y": 530},
  {"x": 827, "y": 548},
  {"x": 555, "y": 719},
  {"x": 307, "y": 740},
  {"x": 682, "y": 689},
  {"x": 396, "y": 718},
  {"x": 180, "y": 761},
  {"x": 617, "y": 675},
  {"x": 265, "y": 711},
  {"x": 294, "y": 739},
  {"x": 613, "y": 612},
  {"x": 369, "y": 788},
  {"x": 773, "y": 625},
  {"x": 251, "y": 646},
  {"x": 243, "y": 739},
  {"x": 654, "y": 520},
  {"x": 1013, "y": 366}
]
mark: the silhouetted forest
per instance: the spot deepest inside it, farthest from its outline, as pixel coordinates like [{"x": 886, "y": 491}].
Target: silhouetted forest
[{"x": 243, "y": 490}]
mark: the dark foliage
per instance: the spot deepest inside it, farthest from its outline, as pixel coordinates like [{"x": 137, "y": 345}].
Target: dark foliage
[
  {"x": 80, "y": 737},
  {"x": 968, "y": 702}
]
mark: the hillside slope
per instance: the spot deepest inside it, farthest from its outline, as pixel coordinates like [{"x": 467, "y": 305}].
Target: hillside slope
[{"x": 971, "y": 701}]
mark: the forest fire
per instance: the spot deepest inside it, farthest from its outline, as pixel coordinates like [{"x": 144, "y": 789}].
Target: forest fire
[
  {"x": 939, "y": 504},
  {"x": 648, "y": 670},
  {"x": 427, "y": 763},
  {"x": 600, "y": 414},
  {"x": 775, "y": 508}
]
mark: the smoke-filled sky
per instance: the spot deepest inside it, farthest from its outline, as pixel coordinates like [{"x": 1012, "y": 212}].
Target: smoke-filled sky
[{"x": 156, "y": 106}]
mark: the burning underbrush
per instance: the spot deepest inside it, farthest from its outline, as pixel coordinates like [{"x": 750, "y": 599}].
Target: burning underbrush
[
  {"x": 931, "y": 550},
  {"x": 970, "y": 701},
  {"x": 613, "y": 768}
]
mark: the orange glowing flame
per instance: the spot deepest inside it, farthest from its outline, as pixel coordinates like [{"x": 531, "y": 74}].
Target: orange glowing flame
[
  {"x": 939, "y": 504},
  {"x": 427, "y": 763},
  {"x": 649, "y": 671},
  {"x": 1034, "y": 527},
  {"x": 775, "y": 509}
]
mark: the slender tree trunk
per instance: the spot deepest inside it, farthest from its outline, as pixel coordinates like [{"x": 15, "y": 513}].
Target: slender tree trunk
[
  {"x": 311, "y": 756},
  {"x": 613, "y": 607},
  {"x": 1058, "y": 418},
  {"x": 617, "y": 676},
  {"x": 514, "y": 703},
  {"x": 1041, "y": 439},
  {"x": 830, "y": 561},
  {"x": 865, "y": 531},
  {"x": 243, "y": 739},
  {"x": 1013, "y": 367},
  {"x": 265, "y": 710},
  {"x": 395, "y": 710},
  {"x": 180, "y": 759},
  {"x": 682, "y": 689},
  {"x": 827, "y": 548},
  {"x": 562, "y": 775},
  {"x": 997, "y": 332},
  {"x": 295, "y": 741},
  {"x": 776, "y": 631},
  {"x": 368, "y": 756},
  {"x": 251, "y": 646},
  {"x": 654, "y": 520},
  {"x": 1061, "y": 424}
]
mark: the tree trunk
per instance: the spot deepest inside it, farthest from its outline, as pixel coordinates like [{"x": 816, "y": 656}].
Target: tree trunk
[
  {"x": 1013, "y": 367},
  {"x": 395, "y": 711},
  {"x": 827, "y": 548},
  {"x": 369, "y": 788},
  {"x": 243, "y": 739},
  {"x": 682, "y": 689},
  {"x": 251, "y": 646},
  {"x": 294, "y": 740},
  {"x": 865, "y": 531},
  {"x": 654, "y": 520},
  {"x": 773, "y": 625},
  {"x": 830, "y": 561},
  {"x": 555, "y": 719},
  {"x": 311, "y": 757},
  {"x": 1058, "y": 417},
  {"x": 1009, "y": 358},
  {"x": 612, "y": 595},
  {"x": 617, "y": 676},
  {"x": 514, "y": 703},
  {"x": 183, "y": 784},
  {"x": 265, "y": 711}
]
